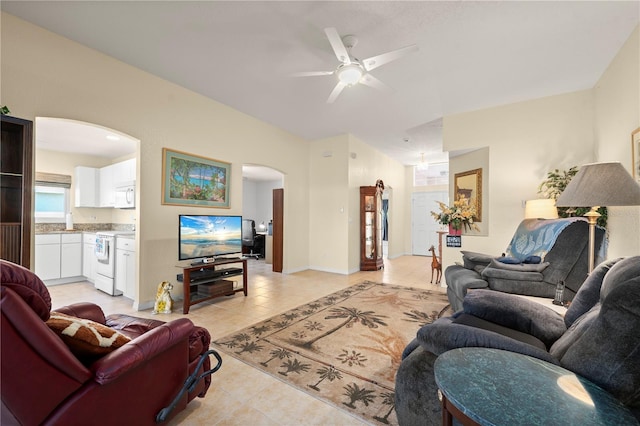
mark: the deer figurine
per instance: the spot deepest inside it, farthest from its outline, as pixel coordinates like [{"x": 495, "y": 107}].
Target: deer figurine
[{"x": 435, "y": 265}]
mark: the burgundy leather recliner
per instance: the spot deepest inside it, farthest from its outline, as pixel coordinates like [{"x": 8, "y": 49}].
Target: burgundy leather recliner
[{"x": 166, "y": 364}]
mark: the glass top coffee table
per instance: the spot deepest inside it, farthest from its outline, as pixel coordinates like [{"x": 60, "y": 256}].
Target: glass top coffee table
[{"x": 494, "y": 387}]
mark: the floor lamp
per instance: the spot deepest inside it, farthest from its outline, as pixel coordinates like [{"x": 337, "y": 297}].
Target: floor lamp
[{"x": 596, "y": 185}]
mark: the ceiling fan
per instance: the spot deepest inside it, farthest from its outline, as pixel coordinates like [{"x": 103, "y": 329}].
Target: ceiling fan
[{"x": 352, "y": 70}]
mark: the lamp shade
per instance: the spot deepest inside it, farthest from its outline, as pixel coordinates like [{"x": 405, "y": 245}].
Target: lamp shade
[
  {"x": 544, "y": 208},
  {"x": 601, "y": 184}
]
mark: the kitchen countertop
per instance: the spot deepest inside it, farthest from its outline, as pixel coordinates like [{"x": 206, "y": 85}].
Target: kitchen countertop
[{"x": 92, "y": 228}]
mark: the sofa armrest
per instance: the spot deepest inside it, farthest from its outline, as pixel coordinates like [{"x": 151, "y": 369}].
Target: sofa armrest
[
  {"x": 472, "y": 260},
  {"x": 444, "y": 335},
  {"x": 84, "y": 310},
  {"x": 517, "y": 313},
  {"x": 516, "y": 267},
  {"x": 142, "y": 349}
]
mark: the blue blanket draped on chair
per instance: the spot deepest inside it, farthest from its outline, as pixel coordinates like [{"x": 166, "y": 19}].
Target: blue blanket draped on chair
[{"x": 535, "y": 237}]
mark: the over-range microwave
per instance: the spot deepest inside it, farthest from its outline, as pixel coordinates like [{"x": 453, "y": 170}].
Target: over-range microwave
[{"x": 126, "y": 195}]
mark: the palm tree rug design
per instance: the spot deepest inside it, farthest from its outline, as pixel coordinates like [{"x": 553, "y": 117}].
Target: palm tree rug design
[{"x": 344, "y": 348}]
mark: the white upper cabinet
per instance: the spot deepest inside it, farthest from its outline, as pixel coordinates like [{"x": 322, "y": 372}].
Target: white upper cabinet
[
  {"x": 107, "y": 189},
  {"x": 97, "y": 187},
  {"x": 87, "y": 186},
  {"x": 125, "y": 171}
]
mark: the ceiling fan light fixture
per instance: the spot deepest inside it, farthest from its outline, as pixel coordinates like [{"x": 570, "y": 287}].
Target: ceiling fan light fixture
[{"x": 350, "y": 74}]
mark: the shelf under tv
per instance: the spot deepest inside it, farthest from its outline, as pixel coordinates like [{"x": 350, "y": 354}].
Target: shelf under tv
[{"x": 213, "y": 279}]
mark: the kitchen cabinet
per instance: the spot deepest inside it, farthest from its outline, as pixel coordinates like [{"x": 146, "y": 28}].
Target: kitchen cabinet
[
  {"x": 95, "y": 187},
  {"x": 88, "y": 256},
  {"x": 107, "y": 188},
  {"x": 87, "y": 183},
  {"x": 124, "y": 171},
  {"x": 71, "y": 255},
  {"x": 58, "y": 257},
  {"x": 206, "y": 281},
  {"x": 125, "y": 280},
  {"x": 47, "y": 256}
]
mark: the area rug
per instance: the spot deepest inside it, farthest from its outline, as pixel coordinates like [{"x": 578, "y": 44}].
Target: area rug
[{"x": 344, "y": 348}]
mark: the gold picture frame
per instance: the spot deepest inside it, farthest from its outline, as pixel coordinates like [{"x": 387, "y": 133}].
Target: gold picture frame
[
  {"x": 192, "y": 180},
  {"x": 469, "y": 185},
  {"x": 635, "y": 154}
]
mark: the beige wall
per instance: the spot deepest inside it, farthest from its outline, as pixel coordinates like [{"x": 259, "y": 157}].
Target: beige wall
[
  {"x": 528, "y": 139},
  {"x": 365, "y": 169},
  {"x": 47, "y": 75},
  {"x": 477, "y": 159},
  {"x": 617, "y": 107},
  {"x": 329, "y": 213},
  {"x": 338, "y": 167}
]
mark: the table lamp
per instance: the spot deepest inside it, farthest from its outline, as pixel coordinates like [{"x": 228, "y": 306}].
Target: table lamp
[
  {"x": 596, "y": 185},
  {"x": 543, "y": 208}
]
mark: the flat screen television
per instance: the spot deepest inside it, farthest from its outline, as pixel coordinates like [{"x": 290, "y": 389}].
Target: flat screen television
[{"x": 209, "y": 236}]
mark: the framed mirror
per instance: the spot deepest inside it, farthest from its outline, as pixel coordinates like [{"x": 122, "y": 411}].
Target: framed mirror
[{"x": 469, "y": 185}]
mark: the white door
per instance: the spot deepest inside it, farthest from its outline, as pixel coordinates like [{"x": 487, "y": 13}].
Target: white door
[{"x": 423, "y": 227}]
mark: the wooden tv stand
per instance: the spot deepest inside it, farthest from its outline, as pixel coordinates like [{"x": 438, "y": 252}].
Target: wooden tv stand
[{"x": 212, "y": 279}]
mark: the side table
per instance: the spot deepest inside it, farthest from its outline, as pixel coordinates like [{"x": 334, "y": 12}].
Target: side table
[{"x": 482, "y": 386}]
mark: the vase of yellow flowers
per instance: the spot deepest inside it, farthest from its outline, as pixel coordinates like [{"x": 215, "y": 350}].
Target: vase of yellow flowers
[{"x": 459, "y": 215}]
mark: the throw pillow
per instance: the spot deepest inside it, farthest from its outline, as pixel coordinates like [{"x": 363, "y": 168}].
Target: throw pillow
[
  {"x": 85, "y": 338},
  {"x": 509, "y": 260}
]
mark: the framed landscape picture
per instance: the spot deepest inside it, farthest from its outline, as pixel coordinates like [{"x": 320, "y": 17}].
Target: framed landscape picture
[
  {"x": 192, "y": 180},
  {"x": 469, "y": 185}
]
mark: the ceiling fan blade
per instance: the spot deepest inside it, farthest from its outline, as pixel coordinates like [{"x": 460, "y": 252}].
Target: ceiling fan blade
[
  {"x": 337, "y": 45},
  {"x": 376, "y": 61},
  {"x": 335, "y": 92},
  {"x": 371, "y": 81},
  {"x": 311, "y": 73}
]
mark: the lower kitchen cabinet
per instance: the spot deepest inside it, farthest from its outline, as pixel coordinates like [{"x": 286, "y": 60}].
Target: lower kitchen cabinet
[
  {"x": 126, "y": 266},
  {"x": 88, "y": 256},
  {"x": 47, "y": 256},
  {"x": 58, "y": 256}
]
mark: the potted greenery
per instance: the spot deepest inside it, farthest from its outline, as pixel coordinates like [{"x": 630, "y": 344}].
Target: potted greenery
[{"x": 555, "y": 183}]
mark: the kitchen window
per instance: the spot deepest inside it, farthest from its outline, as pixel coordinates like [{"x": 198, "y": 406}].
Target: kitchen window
[{"x": 52, "y": 197}]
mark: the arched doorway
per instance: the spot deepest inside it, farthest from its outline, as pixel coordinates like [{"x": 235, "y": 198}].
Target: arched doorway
[
  {"x": 263, "y": 188},
  {"x": 90, "y": 160}
]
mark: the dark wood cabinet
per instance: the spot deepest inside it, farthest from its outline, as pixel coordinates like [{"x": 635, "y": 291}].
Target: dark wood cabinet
[
  {"x": 16, "y": 189},
  {"x": 370, "y": 228},
  {"x": 207, "y": 281}
]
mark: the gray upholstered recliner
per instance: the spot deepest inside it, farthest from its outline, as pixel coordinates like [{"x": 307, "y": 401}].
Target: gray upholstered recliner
[
  {"x": 598, "y": 338},
  {"x": 560, "y": 246}
]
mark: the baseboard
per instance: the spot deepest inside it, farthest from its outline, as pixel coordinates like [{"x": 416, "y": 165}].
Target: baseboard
[{"x": 333, "y": 271}]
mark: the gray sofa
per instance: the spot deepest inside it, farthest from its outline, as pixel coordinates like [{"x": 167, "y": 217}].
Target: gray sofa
[
  {"x": 559, "y": 245},
  {"x": 597, "y": 338}
]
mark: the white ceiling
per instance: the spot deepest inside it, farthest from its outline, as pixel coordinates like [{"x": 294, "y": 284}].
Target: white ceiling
[
  {"x": 471, "y": 55},
  {"x": 55, "y": 134}
]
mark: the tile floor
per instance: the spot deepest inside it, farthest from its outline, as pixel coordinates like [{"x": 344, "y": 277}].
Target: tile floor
[{"x": 239, "y": 394}]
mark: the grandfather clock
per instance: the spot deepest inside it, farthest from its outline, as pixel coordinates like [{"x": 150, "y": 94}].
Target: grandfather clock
[{"x": 371, "y": 228}]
